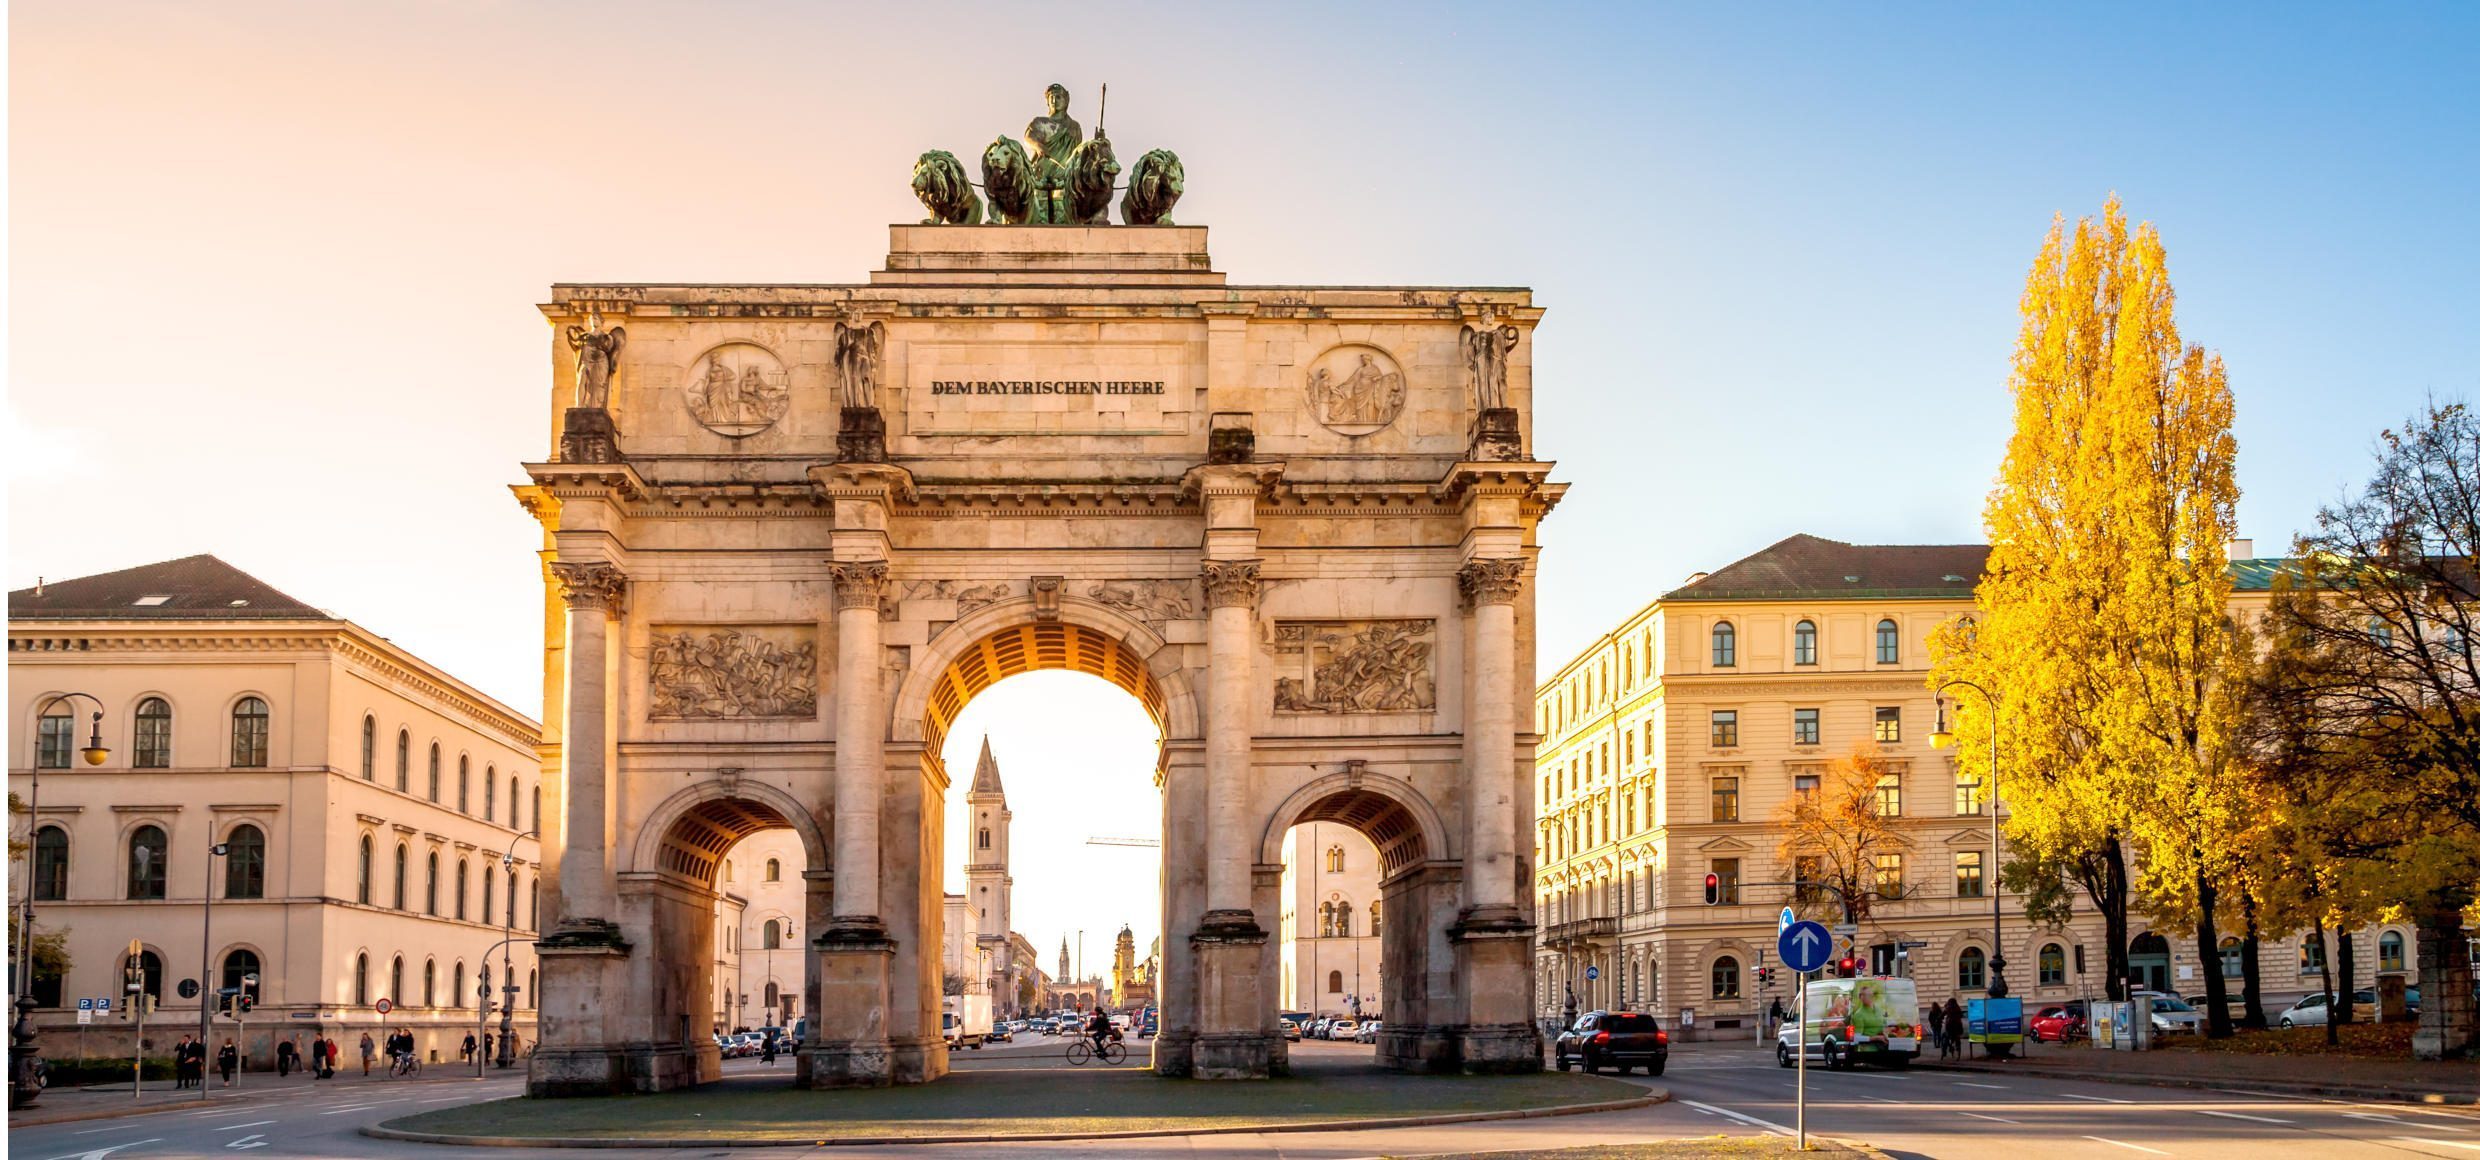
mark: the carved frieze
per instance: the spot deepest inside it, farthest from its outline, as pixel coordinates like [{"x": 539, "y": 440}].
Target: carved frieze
[
  {"x": 1356, "y": 666},
  {"x": 733, "y": 673},
  {"x": 1356, "y": 389},
  {"x": 1152, "y": 601},
  {"x": 738, "y": 389}
]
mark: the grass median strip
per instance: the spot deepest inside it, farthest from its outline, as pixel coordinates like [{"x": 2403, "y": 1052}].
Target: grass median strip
[{"x": 1013, "y": 1103}]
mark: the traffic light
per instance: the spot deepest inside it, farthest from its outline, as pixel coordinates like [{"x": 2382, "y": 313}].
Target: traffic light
[
  {"x": 1713, "y": 889},
  {"x": 249, "y": 993},
  {"x": 1847, "y": 968}
]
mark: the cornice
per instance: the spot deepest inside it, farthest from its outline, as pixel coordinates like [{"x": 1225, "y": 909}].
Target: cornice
[
  {"x": 1796, "y": 683},
  {"x": 1049, "y": 499},
  {"x": 587, "y": 480},
  {"x": 1529, "y": 479}
]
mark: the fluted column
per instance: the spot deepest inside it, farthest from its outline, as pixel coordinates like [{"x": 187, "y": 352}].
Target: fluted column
[
  {"x": 1492, "y": 586},
  {"x": 860, "y": 743},
  {"x": 1231, "y": 599},
  {"x": 593, "y": 592}
]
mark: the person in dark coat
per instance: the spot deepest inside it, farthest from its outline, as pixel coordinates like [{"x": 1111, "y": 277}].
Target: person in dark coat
[
  {"x": 180, "y": 1063},
  {"x": 227, "y": 1061},
  {"x": 1955, "y": 1028},
  {"x": 286, "y": 1053}
]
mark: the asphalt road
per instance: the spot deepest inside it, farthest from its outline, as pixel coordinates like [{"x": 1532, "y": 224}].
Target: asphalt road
[{"x": 1718, "y": 1090}]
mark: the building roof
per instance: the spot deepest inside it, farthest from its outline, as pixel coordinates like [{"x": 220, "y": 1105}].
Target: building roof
[
  {"x": 190, "y": 588},
  {"x": 986, "y": 771},
  {"x": 1813, "y": 567}
]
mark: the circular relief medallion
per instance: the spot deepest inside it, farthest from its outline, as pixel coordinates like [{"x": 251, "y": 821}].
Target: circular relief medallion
[
  {"x": 738, "y": 389},
  {"x": 1356, "y": 389}
]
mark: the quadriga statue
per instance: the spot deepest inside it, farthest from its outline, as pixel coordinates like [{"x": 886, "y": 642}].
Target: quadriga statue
[
  {"x": 1153, "y": 188},
  {"x": 939, "y": 181},
  {"x": 1008, "y": 178},
  {"x": 1090, "y": 180}
]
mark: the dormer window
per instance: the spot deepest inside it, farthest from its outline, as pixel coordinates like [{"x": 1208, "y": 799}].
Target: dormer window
[{"x": 151, "y": 601}]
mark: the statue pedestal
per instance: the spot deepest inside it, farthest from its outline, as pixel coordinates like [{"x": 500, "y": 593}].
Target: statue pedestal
[
  {"x": 579, "y": 1050},
  {"x": 862, "y": 436},
  {"x": 1496, "y": 436},
  {"x": 1494, "y": 958},
  {"x": 588, "y": 436},
  {"x": 1231, "y": 1041},
  {"x": 847, "y": 1045}
]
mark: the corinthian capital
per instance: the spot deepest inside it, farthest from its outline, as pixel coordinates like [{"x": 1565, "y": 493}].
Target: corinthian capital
[
  {"x": 1230, "y": 583},
  {"x": 1492, "y": 581},
  {"x": 858, "y": 583},
  {"x": 591, "y": 585}
]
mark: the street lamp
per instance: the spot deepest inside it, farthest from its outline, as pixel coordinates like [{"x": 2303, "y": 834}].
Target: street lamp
[
  {"x": 507, "y": 951},
  {"x": 24, "y": 1048},
  {"x": 207, "y": 988},
  {"x": 1944, "y": 738}
]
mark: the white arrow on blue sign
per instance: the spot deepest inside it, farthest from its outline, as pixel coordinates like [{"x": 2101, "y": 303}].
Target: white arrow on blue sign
[
  {"x": 1783, "y": 921},
  {"x": 1804, "y": 946}
]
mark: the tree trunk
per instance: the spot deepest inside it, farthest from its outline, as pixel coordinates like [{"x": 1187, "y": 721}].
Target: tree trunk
[
  {"x": 2325, "y": 962},
  {"x": 2349, "y": 982},
  {"x": 2208, "y": 948},
  {"x": 2114, "y": 915},
  {"x": 2252, "y": 1016},
  {"x": 2448, "y": 1028}
]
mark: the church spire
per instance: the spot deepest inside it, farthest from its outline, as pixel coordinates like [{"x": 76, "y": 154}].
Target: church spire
[{"x": 986, "y": 772}]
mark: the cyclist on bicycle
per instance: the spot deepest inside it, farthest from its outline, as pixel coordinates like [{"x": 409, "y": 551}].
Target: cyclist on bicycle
[{"x": 1100, "y": 1030}]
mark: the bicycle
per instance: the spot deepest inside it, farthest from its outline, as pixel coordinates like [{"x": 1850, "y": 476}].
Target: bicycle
[
  {"x": 406, "y": 1064},
  {"x": 1113, "y": 1052}
]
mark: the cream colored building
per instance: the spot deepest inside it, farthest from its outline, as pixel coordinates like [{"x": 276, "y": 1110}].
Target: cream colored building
[
  {"x": 764, "y": 869},
  {"x": 377, "y": 812},
  {"x": 1332, "y": 919},
  {"x": 1669, "y": 746}
]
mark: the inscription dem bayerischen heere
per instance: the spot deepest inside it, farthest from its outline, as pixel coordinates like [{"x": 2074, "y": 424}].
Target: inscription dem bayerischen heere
[{"x": 952, "y": 387}]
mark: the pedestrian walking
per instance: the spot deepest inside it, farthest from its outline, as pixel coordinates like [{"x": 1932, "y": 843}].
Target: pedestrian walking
[
  {"x": 286, "y": 1053},
  {"x": 227, "y": 1061},
  {"x": 1954, "y": 1030},
  {"x": 180, "y": 1063},
  {"x": 368, "y": 1048},
  {"x": 332, "y": 1051},
  {"x": 1774, "y": 1017},
  {"x": 489, "y": 1038},
  {"x": 466, "y": 1052},
  {"x": 766, "y": 1048}
]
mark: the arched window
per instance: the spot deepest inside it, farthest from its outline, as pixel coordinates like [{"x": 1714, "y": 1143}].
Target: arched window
[
  {"x": 51, "y": 864},
  {"x": 245, "y": 863},
  {"x": 151, "y": 747},
  {"x": 434, "y": 771},
  {"x": 1726, "y": 978},
  {"x": 430, "y": 887},
  {"x": 982, "y": 840},
  {"x": 430, "y": 982},
  {"x": 1726, "y": 645},
  {"x": 146, "y": 861},
  {"x": 370, "y": 748},
  {"x": 396, "y": 981},
  {"x": 1334, "y": 982},
  {"x": 55, "y": 734},
  {"x": 1971, "y": 969},
  {"x": 536, "y": 809},
  {"x": 774, "y": 995},
  {"x": 490, "y": 793},
  {"x": 464, "y": 783},
  {"x": 361, "y": 980},
  {"x": 512, "y": 897},
  {"x": 400, "y": 876},
  {"x": 770, "y": 936},
  {"x": 460, "y": 892},
  {"x": 404, "y": 761},
  {"x": 529, "y": 989},
  {"x": 774, "y": 870},
  {"x": 533, "y": 905},
  {"x": 2390, "y": 951},
  {"x": 1889, "y": 643},
  {"x": 1343, "y": 920},
  {"x": 456, "y": 991},
  {"x": 489, "y": 880},
  {"x": 514, "y": 822},
  {"x": 1804, "y": 643},
  {"x": 1326, "y": 920},
  {"x": 239, "y": 964},
  {"x": 1376, "y": 922},
  {"x": 249, "y": 734},
  {"x": 2053, "y": 964}
]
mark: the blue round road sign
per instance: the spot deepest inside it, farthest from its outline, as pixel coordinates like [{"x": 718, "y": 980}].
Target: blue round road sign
[
  {"x": 1804, "y": 946},
  {"x": 1591, "y": 973}
]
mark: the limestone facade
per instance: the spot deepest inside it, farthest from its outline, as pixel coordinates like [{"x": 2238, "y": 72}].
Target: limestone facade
[
  {"x": 372, "y": 807},
  {"x": 1333, "y": 921},
  {"x": 1088, "y": 451}
]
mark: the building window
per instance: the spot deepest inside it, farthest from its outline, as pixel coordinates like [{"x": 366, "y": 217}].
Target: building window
[
  {"x": 361, "y": 886},
  {"x": 1726, "y": 978},
  {"x": 1890, "y": 876},
  {"x": 239, "y": 964},
  {"x": 1803, "y": 783},
  {"x": 1334, "y": 859},
  {"x": 464, "y": 777},
  {"x": 249, "y": 734},
  {"x": 460, "y": 890},
  {"x": 1807, "y": 870},
  {"x": 53, "y": 740},
  {"x": 2311, "y": 955},
  {"x": 2232, "y": 967},
  {"x": 1726, "y": 728},
  {"x": 430, "y": 887},
  {"x": 1889, "y": 643},
  {"x": 370, "y": 748},
  {"x": 981, "y": 841},
  {"x": 1971, "y": 970},
  {"x": 147, "y": 848},
  {"x": 361, "y": 980},
  {"x": 490, "y": 793},
  {"x": 1726, "y": 645},
  {"x": 151, "y": 748},
  {"x": 245, "y": 863},
  {"x": 770, "y": 936},
  {"x": 1890, "y": 795},
  {"x": 434, "y": 771},
  {"x": 1726, "y": 799},
  {"x": 456, "y": 990},
  {"x": 430, "y": 982},
  {"x": 515, "y": 822},
  {"x": 1726, "y": 872},
  {"x": 1804, "y": 643},
  {"x": 1968, "y": 875},
  {"x": 404, "y": 761},
  {"x": 51, "y": 864},
  {"x": 1967, "y": 794},
  {"x": 400, "y": 876},
  {"x": 2389, "y": 951},
  {"x": 512, "y": 901},
  {"x": 489, "y": 879},
  {"x": 1376, "y": 924},
  {"x": 2053, "y": 963},
  {"x": 1334, "y": 982},
  {"x": 1804, "y": 730},
  {"x": 1889, "y": 725},
  {"x": 396, "y": 981},
  {"x": 1326, "y": 920},
  {"x": 1343, "y": 920},
  {"x": 774, "y": 869}
]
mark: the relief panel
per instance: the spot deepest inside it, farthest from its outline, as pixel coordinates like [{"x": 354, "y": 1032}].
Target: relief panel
[
  {"x": 707, "y": 672},
  {"x": 1356, "y": 666}
]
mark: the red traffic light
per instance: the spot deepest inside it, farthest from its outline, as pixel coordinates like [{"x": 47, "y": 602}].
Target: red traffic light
[
  {"x": 1847, "y": 967},
  {"x": 1713, "y": 889}
]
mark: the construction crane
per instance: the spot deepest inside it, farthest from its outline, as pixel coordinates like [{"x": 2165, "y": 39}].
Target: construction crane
[{"x": 1107, "y": 840}]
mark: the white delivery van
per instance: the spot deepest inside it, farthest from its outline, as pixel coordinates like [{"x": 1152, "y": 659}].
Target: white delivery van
[
  {"x": 965, "y": 1020},
  {"x": 1875, "y": 1019}
]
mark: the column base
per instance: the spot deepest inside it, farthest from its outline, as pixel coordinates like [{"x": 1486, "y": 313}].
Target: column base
[
  {"x": 848, "y": 1044},
  {"x": 565, "y": 1073},
  {"x": 1494, "y": 968},
  {"x": 916, "y": 1060},
  {"x": 1232, "y": 1041},
  {"x": 663, "y": 1067},
  {"x": 1175, "y": 1054},
  {"x": 584, "y": 966},
  {"x": 1419, "y": 1049}
]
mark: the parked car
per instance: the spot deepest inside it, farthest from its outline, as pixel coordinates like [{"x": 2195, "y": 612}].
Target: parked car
[
  {"x": 1368, "y": 1032},
  {"x": 1316, "y": 1028},
  {"x": 1342, "y": 1028},
  {"x": 2173, "y": 1015},
  {"x": 999, "y": 1033},
  {"x": 2309, "y": 1011},
  {"x": 1291, "y": 1029},
  {"x": 1620, "y": 1039},
  {"x": 2059, "y": 1022}
]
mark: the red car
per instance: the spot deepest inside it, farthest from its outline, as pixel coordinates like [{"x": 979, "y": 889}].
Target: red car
[{"x": 2059, "y": 1023}]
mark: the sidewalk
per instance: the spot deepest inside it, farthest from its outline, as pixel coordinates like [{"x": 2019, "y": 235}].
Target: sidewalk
[
  {"x": 61, "y": 1105},
  {"x": 2337, "y": 1076}
]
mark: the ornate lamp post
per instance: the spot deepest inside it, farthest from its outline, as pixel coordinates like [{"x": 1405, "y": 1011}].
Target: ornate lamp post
[
  {"x": 507, "y": 952},
  {"x": 207, "y": 988},
  {"x": 25, "y": 1048},
  {"x": 1943, "y": 738}
]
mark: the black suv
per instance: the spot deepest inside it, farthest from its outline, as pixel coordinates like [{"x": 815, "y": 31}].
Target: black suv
[{"x": 1620, "y": 1039}]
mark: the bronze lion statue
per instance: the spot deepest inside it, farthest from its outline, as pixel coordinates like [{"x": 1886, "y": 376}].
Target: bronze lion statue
[
  {"x": 1008, "y": 178},
  {"x": 944, "y": 190},
  {"x": 1154, "y": 186},
  {"x": 1090, "y": 179}
]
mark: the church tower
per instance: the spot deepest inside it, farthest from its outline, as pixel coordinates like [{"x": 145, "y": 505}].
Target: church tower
[{"x": 988, "y": 887}]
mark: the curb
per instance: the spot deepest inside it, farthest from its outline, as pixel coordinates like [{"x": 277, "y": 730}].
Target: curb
[
  {"x": 383, "y": 1132},
  {"x": 41, "y": 1120},
  {"x": 2260, "y": 1087}
]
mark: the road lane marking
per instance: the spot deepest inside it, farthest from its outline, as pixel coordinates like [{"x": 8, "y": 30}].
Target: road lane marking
[
  {"x": 1752, "y": 1121},
  {"x": 2126, "y": 1145},
  {"x": 2000, "y": 1119},
  {"x": 2095, "y": 1099},
  {"x": 2440, "y": 1143},
  {"x": 100, "y": 1153},
  {"x": 341, "y": 1111},
  {"x": 1995, "y": 1087},
  {"x": 1880, "y": 1099},
  {"x": 238, "y": 1127},
  {"x": 2404, "y": 1123},
  {"x": 2239, "y": 1116},
  {"x": 444, "y": 1100},
  {"x": 254, "y": 1140}
]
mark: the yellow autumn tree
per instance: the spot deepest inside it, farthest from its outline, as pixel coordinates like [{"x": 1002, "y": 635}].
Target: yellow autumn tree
[{"x": 1833, "y": 835}]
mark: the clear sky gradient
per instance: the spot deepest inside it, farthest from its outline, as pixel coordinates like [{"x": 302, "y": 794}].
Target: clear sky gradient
[{"x": 273, "y": 266}]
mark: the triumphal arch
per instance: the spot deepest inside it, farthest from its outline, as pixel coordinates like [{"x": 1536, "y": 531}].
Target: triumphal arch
[{"x": 790, "y": 530}]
